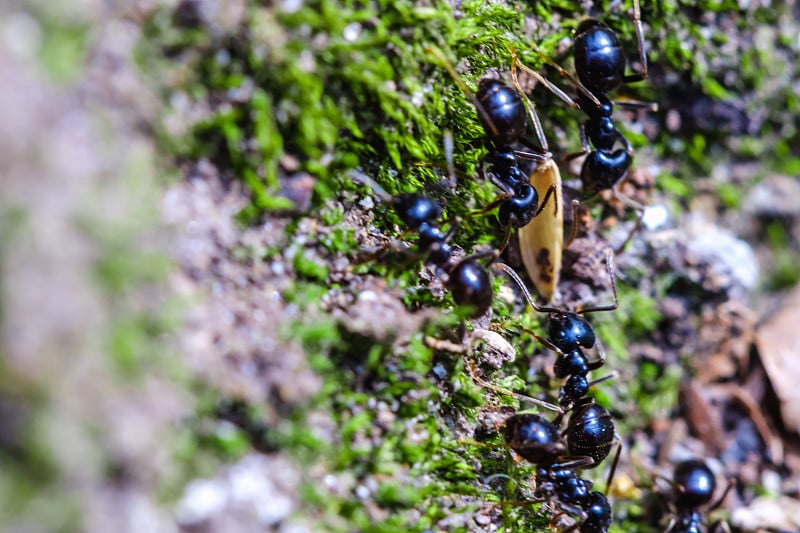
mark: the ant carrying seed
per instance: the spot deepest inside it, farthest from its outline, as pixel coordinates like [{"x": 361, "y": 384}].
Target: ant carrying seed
[{"x": 504, "y": 112}]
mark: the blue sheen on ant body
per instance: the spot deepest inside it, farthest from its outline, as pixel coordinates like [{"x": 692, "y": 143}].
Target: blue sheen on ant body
[
  {"x": 600, "y": 65},
  {"x": 693, "y": 486},
  {"x": 538, "y": 440},
  {"x": 569, "y": 333}
]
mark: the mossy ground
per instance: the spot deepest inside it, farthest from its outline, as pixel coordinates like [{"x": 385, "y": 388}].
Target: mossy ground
[{"x": 267, "y": 109}]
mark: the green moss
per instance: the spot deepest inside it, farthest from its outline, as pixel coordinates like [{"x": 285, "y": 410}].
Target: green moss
[
  {"x": 65, "y": 42},
  {"x": 783, "y": 273},
  {"x": 335, "y": 85}
]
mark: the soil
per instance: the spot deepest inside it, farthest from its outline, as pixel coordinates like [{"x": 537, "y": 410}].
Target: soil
[{"x": 82, "y": 180}]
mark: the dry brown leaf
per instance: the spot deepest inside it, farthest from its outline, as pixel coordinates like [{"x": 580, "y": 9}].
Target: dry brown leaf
[{"x": 779, "y": 349}]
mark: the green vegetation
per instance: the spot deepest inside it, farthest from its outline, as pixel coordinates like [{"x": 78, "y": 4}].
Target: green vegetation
[{"x": 331, "y": 86}]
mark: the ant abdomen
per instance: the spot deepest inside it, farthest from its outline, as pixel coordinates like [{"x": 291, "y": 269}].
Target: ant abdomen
[
  {"x": 599, "y": 58},
  {"x": 534, "y": 438},
  {"x": 471, "y": 285},
  {"x": 590, "y": 432},
  {"x": 506, "y": 118},
  {"x": 598, "y": 514}
]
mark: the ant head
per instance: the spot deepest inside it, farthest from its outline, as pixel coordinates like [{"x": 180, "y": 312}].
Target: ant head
[
  {"x": 533, "y": 437},
  {"x": 502, "y": 113},
  {"x": 694, "y": 484},
  {"x": 415, "y": 210},
  {"x": 598, "y": 513},
  {"x": 569, "y": 331},
  {"x": 519, "y": 210}
]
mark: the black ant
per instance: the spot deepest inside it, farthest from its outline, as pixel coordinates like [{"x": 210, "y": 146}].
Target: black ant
[
  {"x": 693, "y": 485},
  {"x": 502, "y": 111},
  {"x": 600, "y": 65},
  {"x": 569, "y": 333},
  {"x": 538, "y": 440},
  {"x": 468, "y": 280}
]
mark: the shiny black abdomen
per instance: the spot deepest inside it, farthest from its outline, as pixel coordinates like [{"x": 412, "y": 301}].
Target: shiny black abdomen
[{"x": 599, "y": 58}]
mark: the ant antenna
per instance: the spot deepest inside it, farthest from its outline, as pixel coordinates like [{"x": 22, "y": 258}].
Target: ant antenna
[
  {"x": 531, "y": 108},
  {"x": 360, "y": 177},
  {"x": 485, "y": 118},
  {"x": 564, "y": 74},
  {"x": 519, "y": 397},
  {"x": 615, "y": 305}
]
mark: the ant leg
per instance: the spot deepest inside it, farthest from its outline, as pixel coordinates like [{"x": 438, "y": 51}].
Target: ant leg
[
  {"x": 569, "y": 509},
  {"x": 501, "y": 249},
  {"x": 574, "y": 229},
  {"x": 519, "y": 397},
  {"x": 578, "y": 462},
  {"x": 444, "y": 345},
  {"x": 564, "y": 74},
  {"x": 551, "y": 191},
  {"x": 636, "y": 227},
  {"x": 531, "y": 108},
  {"x": 499, "y": 201},
  {"x": 525, "y": 292},
  {"x": 601, "y": 353},
  {"x": 615, "y": 305},
  {"x": 618, "y": 444},
  {"x": 585, "y": 146},
  {"x": 506, "y": 193},
  {"x": 716, "y": 504},
  {"x": 553, "y": 88},
  {"x": 611, "y": 375},
  {"x": 546, "y": 342},
  {"x": 636, "y": 104},
  {"x": 532, "y": 156},
  {"x": 637, "y": 25},
  {"x": 630, "y": 202},
  {"x": 720, "y": 526}
]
